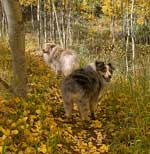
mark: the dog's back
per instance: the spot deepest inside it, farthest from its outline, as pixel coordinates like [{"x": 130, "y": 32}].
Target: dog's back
[
  {"x": 69, "y": 61},
  {"x": 85, "y": 79},
  {"x": 59, "y": 59},
  {"x": 81, "y": 87}
]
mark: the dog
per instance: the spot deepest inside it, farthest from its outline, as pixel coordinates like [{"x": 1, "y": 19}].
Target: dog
[
  {"x": 83, "y": 87},
  {"x": 62, "y": 61}
]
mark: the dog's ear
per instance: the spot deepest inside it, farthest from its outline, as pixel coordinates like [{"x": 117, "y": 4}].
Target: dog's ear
[
  {"x": 99, "y": 65},
  {"x": 44, "y": 51},
  {"x": 111, "y": 66},
  {"x": 53, "y": 45}
]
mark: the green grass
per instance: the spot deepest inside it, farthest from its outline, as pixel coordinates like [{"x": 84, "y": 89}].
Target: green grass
[
  {"x": 127, "y": 115},
  {"x": 124, "y": 110}
]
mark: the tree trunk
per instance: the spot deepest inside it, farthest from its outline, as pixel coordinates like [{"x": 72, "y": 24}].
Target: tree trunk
[
  {"x": 17, "y": 44},
  {"x": 132, "y": 36},
  {"x": 1, "y": 19},
  {"x": 42, "y": 21},
  {"x": 113, "y": 24},
  {"x": 45, "y": 25},
  {"x": 50, "y": 26},
  {"x": 38, "y": 20},
  {"x": 57, "y": 24},
  {"x": 3, "y": 22},
  {"x": 69, "y": 35},
  {"x": 127, "y": 40},
  {"x": 63, "y": 27},
  {"x": 32, "y": 17}
]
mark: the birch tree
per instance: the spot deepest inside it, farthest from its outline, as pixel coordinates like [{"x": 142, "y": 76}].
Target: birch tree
[
  {"x": 57, "y": 24},
  {"x": 17, "y": 44},
  {"x": 132, "y": 35},
  {"x": 1, "y": 18},
  {"x": 112, "y": 27}
]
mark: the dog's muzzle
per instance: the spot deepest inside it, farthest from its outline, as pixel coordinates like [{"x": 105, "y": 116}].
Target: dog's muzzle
[{"x": 107, "y": 79}]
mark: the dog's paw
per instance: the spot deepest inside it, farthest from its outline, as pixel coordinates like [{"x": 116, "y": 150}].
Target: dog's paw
[{"x": 93, "y": 116}]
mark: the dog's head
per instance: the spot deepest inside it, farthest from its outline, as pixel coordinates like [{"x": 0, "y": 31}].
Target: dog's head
[
  {"x": 47, "y": 48},
  {"x": 104, "y": 70}
]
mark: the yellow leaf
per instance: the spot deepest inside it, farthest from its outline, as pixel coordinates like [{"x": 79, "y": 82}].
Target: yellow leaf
[
  {"x": 38, "y": 111},
  {"x": 13, "y": 125},
  {"x": 30, "y": 150},
  {"x": 0, "y": 149},
  {"x": 6, "y": 132},
  {"x": 103, "y": 148},
  {"x": 59, "y": 145},
  {"x": 96, "y": 124},
  {"x": 15, "y": 132},
  {"x": 17, "y": 99},
  {"x": 42, "y": 148}
]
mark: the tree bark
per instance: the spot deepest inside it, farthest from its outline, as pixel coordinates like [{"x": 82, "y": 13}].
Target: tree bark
[
  {"x": 132, "y": 36},
  {"x": 32, "y": 17},
  {"x": 113, "y": 24},
  {"x": 1, "y": 18},
  {"x": 127, "y": 40},
  {"x": 38, "y": 20},
  {"x": 17, "y": 44},
  {"x": 69, "y": 35},
  {"x": 57, "y": 24},
  {"x": 45, "y": 24},
  {"x": 3, "y": 22}
]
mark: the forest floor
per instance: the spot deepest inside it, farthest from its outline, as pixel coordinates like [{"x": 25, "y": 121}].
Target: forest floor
[{"x": 38, "y": 125}]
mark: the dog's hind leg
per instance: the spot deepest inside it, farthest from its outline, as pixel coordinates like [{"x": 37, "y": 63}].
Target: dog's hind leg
[
  {"x": 84, "y": 109},
  {"x": 68, "y": 107},
  {"x": 93, "y": 106}
]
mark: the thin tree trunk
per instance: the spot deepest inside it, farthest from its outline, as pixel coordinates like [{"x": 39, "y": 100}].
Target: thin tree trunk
[
  {"x": 132, "y": 36},
  {"x": 50, "y": 26},
  {"x": 69, "y": 35},
  {"x": 54, "y": 23},
  {"x": 32, "y": 17},
  {"x": 51, "y": 22},
  {"x": 63, "y": 28},
  {"x": 38, "y": 20},
  {"x": 17, "y": 44},
  {"x": 3, "y": 22},
  {"x": 42, "y": 21},
  {"x": 1, "y": 19},
  {"x": 127, "y": 40},
  {"x": 45, "y": 26},
  {"x": 57, "y": 24},
  {"x": 113, "y": 24}
]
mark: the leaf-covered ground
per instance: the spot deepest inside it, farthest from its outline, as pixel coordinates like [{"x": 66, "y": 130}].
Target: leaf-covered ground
[{"x": 38, "y": 125}]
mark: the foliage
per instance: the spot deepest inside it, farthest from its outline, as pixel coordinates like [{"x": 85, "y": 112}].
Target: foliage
[
  {"x": 38, "y": 125},
  {"x": 126, "y": 118}
]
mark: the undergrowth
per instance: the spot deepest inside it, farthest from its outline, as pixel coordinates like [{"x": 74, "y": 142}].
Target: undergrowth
[{"x": 38, "y": 125}]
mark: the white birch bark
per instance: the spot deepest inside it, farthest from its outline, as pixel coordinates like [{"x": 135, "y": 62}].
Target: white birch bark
[
  {"x": 38, "y": 20},
  {"x": 132, "y": 35},
  {"x": 112, "y": 26},
  {"x": 32, "y": 17},
  {"x": 57, "y": 24},
  {"x": 127, "y": 39},
  {"x": 17, "y": 44}
]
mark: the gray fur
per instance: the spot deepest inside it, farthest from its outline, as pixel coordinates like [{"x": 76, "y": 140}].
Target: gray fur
[{"x": 83, "y": 87}]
